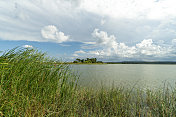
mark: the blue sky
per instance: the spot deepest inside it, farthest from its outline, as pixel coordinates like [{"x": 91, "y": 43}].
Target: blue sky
[{"x": 110, "y": 30}]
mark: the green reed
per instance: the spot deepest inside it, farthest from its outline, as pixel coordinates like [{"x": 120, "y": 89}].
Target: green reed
[{"x": 32, "y": 84}]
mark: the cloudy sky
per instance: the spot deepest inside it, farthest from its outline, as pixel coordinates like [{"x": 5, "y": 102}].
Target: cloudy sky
[{"x": 110, "y": 30}]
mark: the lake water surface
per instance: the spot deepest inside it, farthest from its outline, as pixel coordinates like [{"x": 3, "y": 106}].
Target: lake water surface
[{"x": 142, "y": 75}]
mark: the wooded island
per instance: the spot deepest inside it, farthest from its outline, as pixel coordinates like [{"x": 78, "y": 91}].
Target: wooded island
[{"x": 88, "y": 60}]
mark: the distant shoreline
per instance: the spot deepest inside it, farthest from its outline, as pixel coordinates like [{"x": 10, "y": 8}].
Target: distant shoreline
[
  {"x": 85, "y": 63},
  {"x": 142, "y": 62},
  {"x": 127, "y": 62}
]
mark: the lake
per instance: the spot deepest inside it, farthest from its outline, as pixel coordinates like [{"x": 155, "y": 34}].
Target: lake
[{"x": 141, "y": 75}]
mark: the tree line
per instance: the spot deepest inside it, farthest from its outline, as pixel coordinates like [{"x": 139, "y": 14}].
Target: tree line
[{"x": 87, "y": 60}]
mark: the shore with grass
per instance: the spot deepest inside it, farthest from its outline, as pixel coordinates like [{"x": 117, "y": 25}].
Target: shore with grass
[{"x": 32, "y": 84}]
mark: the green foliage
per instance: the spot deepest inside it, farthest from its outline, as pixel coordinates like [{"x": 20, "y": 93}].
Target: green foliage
[
  {"x": 79, "y": 60},
  {"x": 88, "y": 60},
  {"x": 75, "y": 61}
]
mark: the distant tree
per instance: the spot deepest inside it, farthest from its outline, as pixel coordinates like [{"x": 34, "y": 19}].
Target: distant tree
[
  {"x": 75, "y": 61},
  {"x": 94, "y": 60},
  {"x": 82, "y": 60},
  {"x": 99, "y": 62},
  {"x": 79, "y": 60},
  {"x": 87, "y": 60}
]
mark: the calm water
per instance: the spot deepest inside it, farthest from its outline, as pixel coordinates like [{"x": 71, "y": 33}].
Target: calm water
[{"x": 142, "y": 75}]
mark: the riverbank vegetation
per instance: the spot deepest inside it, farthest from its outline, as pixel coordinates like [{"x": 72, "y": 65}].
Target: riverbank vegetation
[{"x": 33, "y": 85}]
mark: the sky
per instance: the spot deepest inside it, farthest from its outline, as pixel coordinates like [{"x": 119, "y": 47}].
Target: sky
[{"x": 109, "y": 30}]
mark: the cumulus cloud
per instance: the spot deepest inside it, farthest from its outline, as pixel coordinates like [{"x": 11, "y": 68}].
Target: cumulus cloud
[
  {"x": 144, "y": 50},
  {"x": 51, "y": 33},
  {"x": 103, "y": 38},
  {"x": 27, "y": 46},
  {"x": 146, "y": 47}
]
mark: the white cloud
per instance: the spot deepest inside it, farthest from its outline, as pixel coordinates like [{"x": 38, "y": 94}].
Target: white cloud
[
  {"x": 174, "y": 41},
  {"x": 74, "y": 3},
  {"x": 166, "y": 29},
  {"x": 131, "y": 8},
  {"x": 27, "y": 46},
  {"x": 145, "y": 49},
  {"x": 23, "y": 19},
  {"x": 103, "y": 21},
  {"x": 75, "y": 55},
  {"x": 98, "y": 53},
  {"x": 80, "y": 52},
  {"x": 51, "y": 33},
  {"x": 129, "y": 20},
  {"x": 65, "y": 45},
  {"x": 89, "y": 42},
  {"x": 102, "y": 39}
]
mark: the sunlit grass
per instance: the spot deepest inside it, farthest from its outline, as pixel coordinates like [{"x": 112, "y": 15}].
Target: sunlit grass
[{"x": 33, "y": 85}]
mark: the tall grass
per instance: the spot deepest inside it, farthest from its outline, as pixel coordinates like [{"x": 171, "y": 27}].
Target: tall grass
[
  {"x": 30, "y": 83},
  {"x": 33, "y": 85}
]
